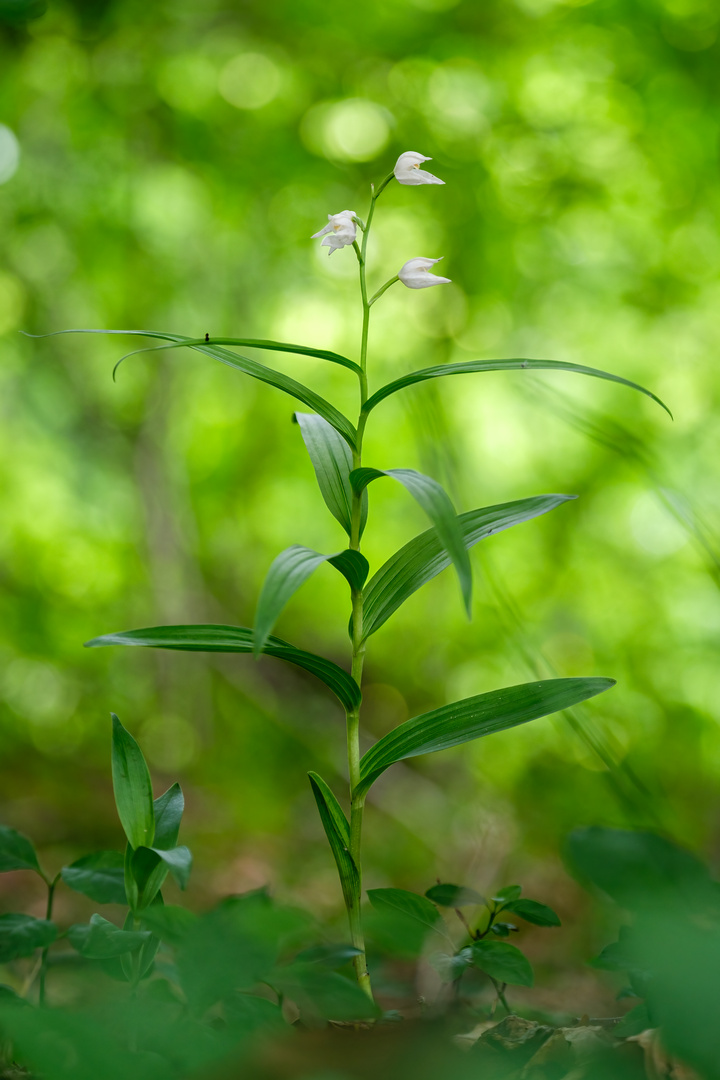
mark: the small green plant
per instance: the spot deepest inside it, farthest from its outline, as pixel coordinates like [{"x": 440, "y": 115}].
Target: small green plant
[{"x": 335, "y": 447}]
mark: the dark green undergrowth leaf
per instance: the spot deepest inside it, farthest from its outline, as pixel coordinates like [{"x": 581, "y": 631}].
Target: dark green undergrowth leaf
[
  {"x": 100, "y": 939},
  {"x": 168, "y": 809},
  {"x": 437, "y": 505},
  {"x": 533, "y": 912},
  {"x": 425, "y": 556},
  {"x": 132, "y": 787},
  {"x": 454, "y": 896},
  {"x": 510, "y": 892},
  {"x": 329, "y": 956},
  {"x": 640, "y": 869},
  {"x": 239, "y": 639},
  {"x": 16, "y": 851},
  {"x": 324, "y": 993},
  {"x": 470, "y": 367},
  {"x": 21, "y": 935},
  {"x": 473, "y": 718},
  {"x": 502, "y": 962},
  {"x": 101, "y": 876},
  {"x": 406, "y": 903},
  {"x": 169, "y": 922}
]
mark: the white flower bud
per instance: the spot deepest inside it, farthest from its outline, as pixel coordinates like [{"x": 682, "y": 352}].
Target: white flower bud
[
  {"x": 407, "y": 169},
  {"x": 416, "y": 274},
  {"x": 339, "y": 232}
]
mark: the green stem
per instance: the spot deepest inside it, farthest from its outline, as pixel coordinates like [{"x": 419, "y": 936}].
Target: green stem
[
  {"x": 357, "y": 803},
  {"x": 48, "y": 915},
  {"x": 383, "y": 289}
]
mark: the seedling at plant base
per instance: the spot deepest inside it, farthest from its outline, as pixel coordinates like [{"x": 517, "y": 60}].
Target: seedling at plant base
[{"x": 335, "y": 447}]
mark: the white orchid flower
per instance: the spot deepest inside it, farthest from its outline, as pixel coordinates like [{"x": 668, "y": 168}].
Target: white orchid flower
[
  {"x": 340, "y": 231},
  {"x": 407, "y": 169},
  {"x": 416, "y": 274}
]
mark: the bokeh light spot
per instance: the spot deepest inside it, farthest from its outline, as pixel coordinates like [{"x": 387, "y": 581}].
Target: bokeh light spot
[
  {"x": 9, "y": 154},
  {"x": 187, "y": 82},
  {"x": 250, "y": 81},
  {"x": 12, "y": 302},
  {"x": 350, "y": 130}
]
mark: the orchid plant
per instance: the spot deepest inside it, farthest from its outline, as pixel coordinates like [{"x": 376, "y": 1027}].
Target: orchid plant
[{"x": 335, "y": 447}]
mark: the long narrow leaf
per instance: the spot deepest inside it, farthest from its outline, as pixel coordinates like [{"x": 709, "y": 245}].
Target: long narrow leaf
[
  {"x": 288, "y": 572},
  {"x": 332, "y": 462},
  {"x": 236, "y": 639},
  {"x": 337, "y": 831},
  {"x": 424, "y": 557},
  {"x": 248, "y": 367},
  {"x": 132, "y": 787},
  {"x": 258, "y": 343},
  {"x": 471, "y": 366},
  {"x": 437, "y": 505},
  {"x": 472, "y": 718}
]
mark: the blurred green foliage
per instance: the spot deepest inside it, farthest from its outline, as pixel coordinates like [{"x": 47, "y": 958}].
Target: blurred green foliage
[{"x": 162, "y": 166}]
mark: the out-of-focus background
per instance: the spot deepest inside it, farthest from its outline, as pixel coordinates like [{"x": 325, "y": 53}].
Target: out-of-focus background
[{"x": 162, "y": 166}]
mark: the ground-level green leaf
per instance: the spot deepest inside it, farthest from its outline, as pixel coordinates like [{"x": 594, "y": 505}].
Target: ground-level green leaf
[
  {"x": 502, "y": 962},
  {"x": 238, "y": 639},
  {"x": 454, "y": 896},
  {"x": 406, "y": 903},
  {"x": 21, "y": 935},
  {"x": 169, "y": 809},
  {"x": 425, "y": 556},
  {"x": 16, "y": 851},
  {"x": 473, "y": 718},
  {"x": 533, "y": 911},
  {"x": 100, "y": 939},
  {"x": 100, "y": 875}
]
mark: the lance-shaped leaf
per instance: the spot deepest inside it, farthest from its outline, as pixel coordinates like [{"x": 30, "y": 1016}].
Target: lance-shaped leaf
[
  {"x": 100, "y": 875},
  {"x": 469, "y": 367},
  {"x": 472, "y": 718},
  {"x": 16, "y": 851},
  {"x": 332, "y": 461},
  {"x": 424, "y": 557},
  {"x": 437, "y": 505},
  {"x": 132, "y": 787},
  {"x": 248, "y": 367},
  {"x": 288, "y": 572},
  {"x": 236, "y": 639},
  {"x": 337, "y": 831},
  {"x": 100, "y": 939},
  {"x": 21, "y": 935}
]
